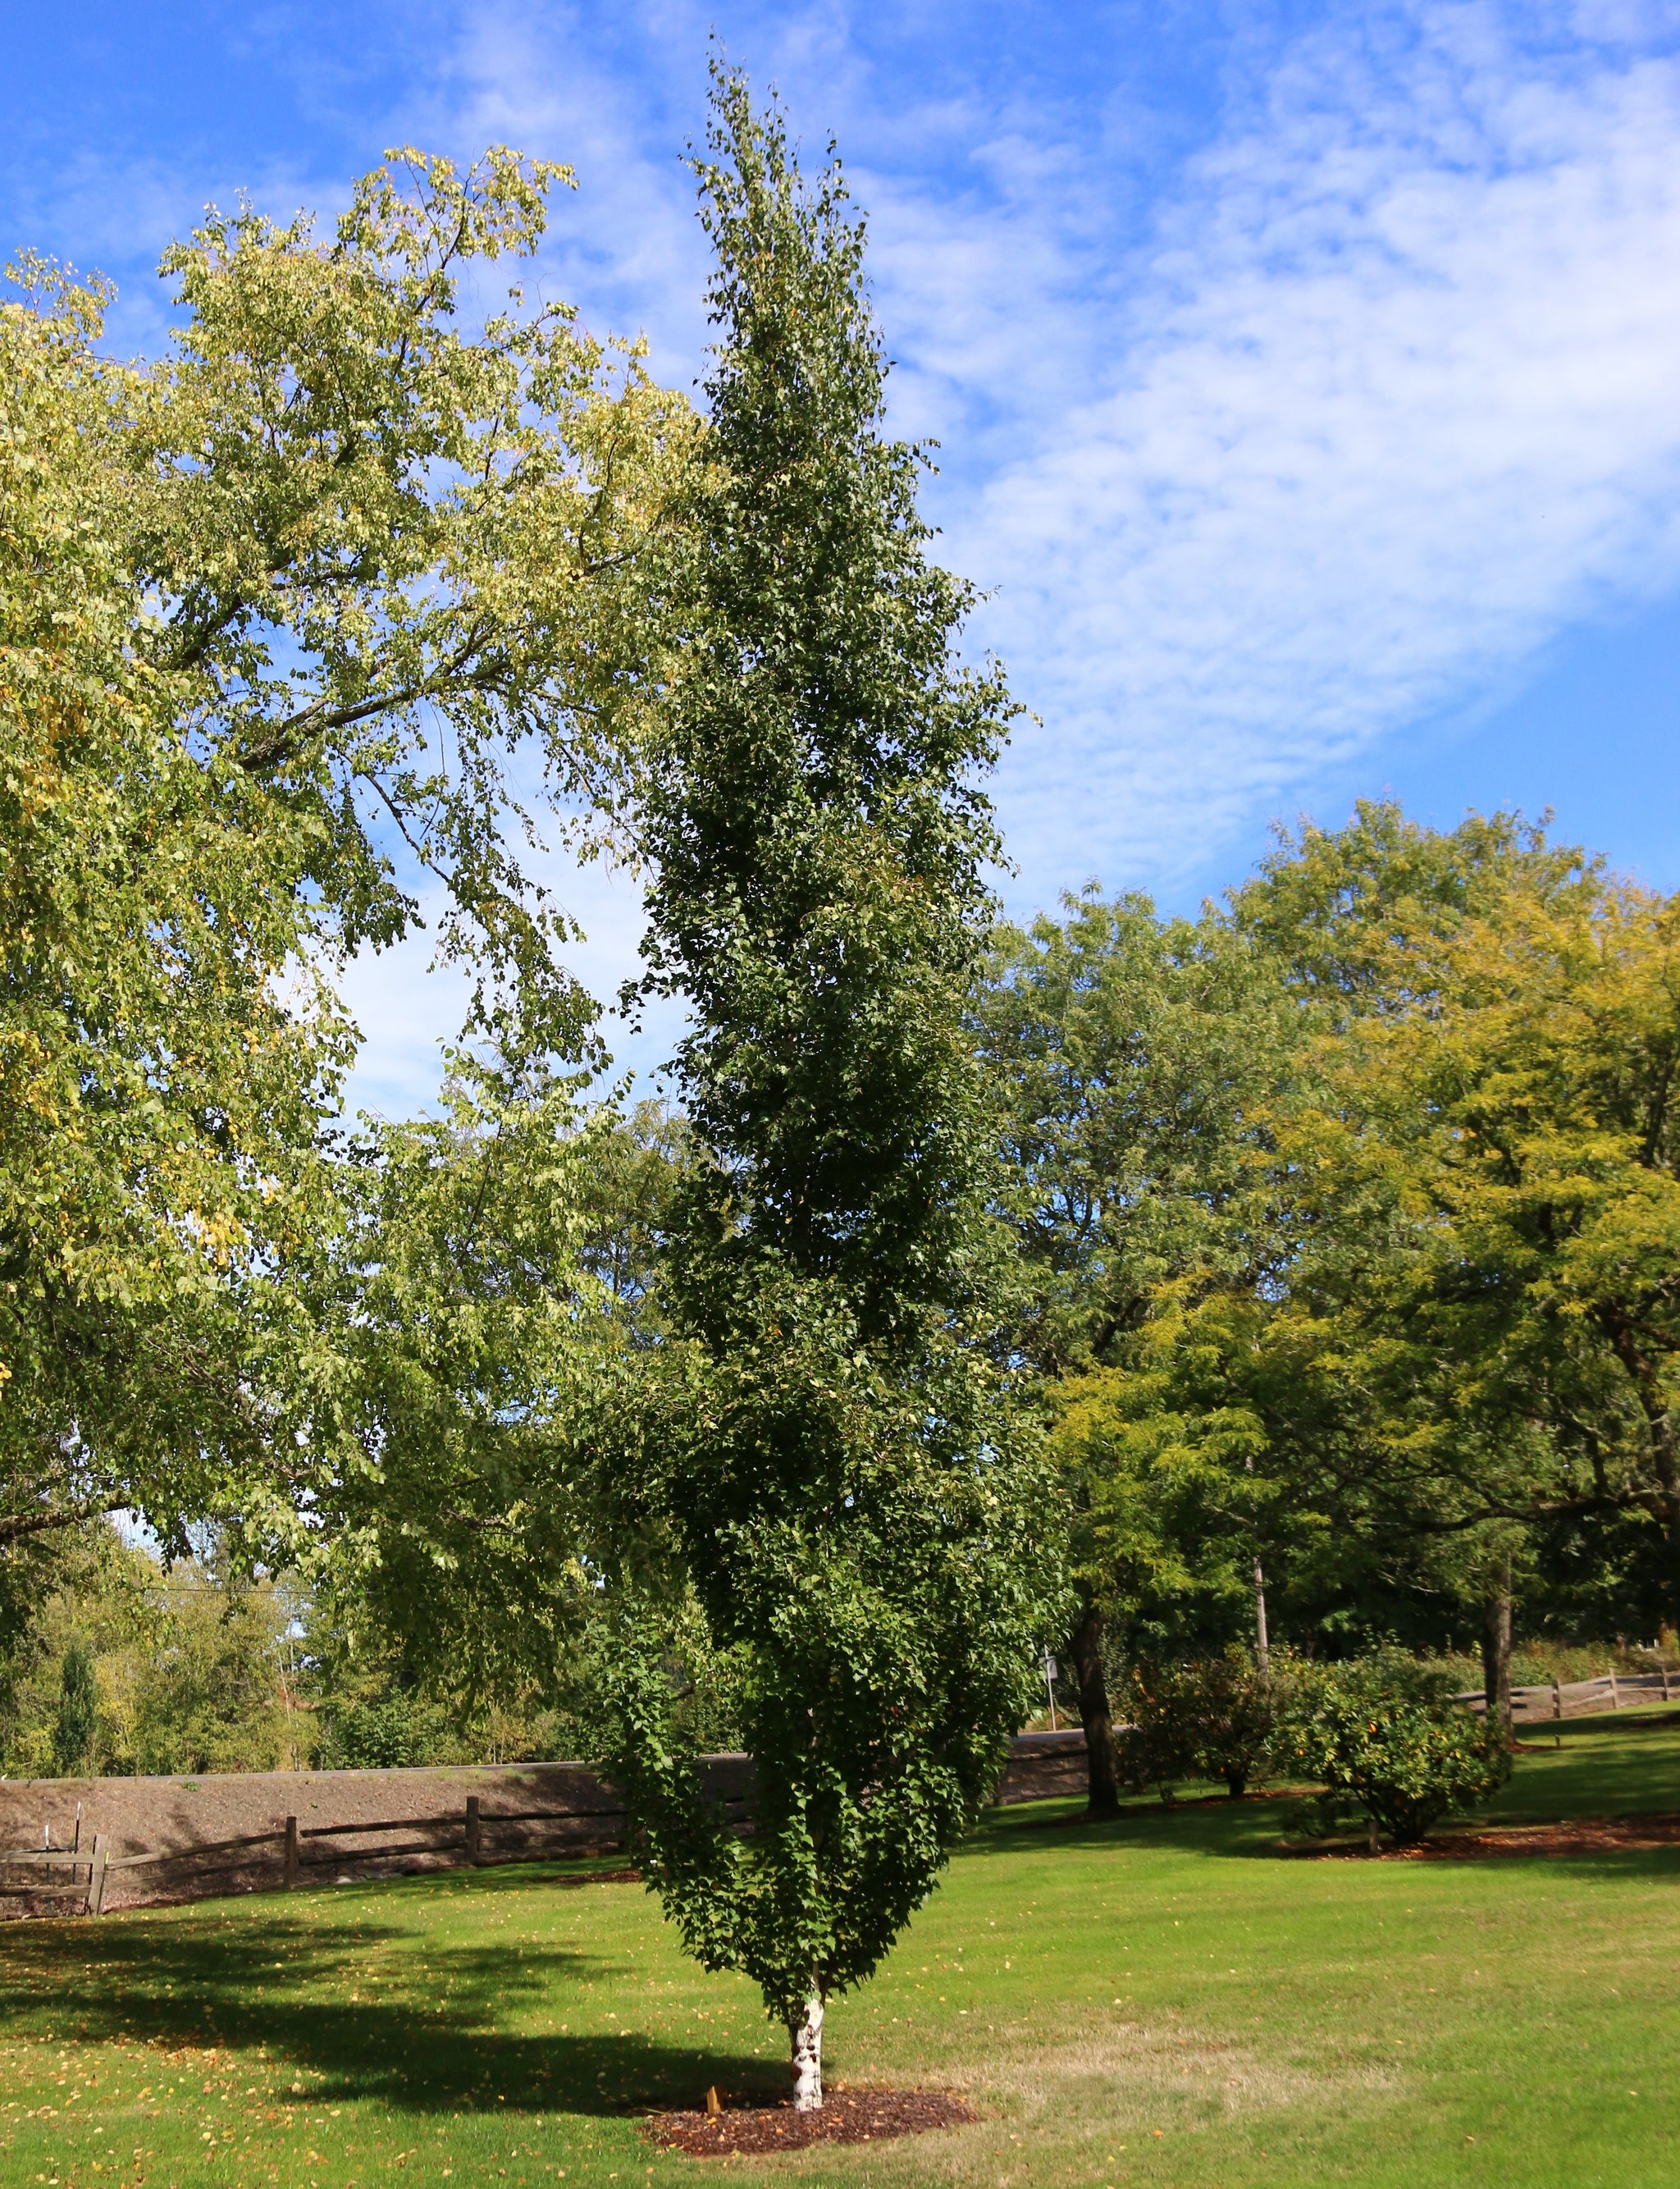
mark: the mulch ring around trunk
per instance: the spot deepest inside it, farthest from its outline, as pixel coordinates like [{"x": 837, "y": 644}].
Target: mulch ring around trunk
[{"x": 743, "y": 2130}]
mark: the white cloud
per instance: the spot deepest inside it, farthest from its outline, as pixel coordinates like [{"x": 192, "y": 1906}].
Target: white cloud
[
  {"x": 1373, "y": 399},
  {"x": 1394, "y": 402},
  {"x": 407, "y": 1009},
  {"x": 1270, "y": 446}
]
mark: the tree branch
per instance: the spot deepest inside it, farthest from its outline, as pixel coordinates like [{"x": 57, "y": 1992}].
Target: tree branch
[{"x": 14, "y": 1526}]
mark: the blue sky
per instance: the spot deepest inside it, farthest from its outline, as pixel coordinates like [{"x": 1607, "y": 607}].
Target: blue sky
[{"x": 1306, "y": 377}]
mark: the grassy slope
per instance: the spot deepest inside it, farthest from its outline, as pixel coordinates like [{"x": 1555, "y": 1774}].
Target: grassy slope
[{"x": 1163, "y": 2000}]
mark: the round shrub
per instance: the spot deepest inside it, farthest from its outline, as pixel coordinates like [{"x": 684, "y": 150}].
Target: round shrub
[
  {"x": 1385, "y": 1736},
  {"x": 1156, "y": 1744},
  {"x": 1232, "y": 1716},
  {"x": 1210, "y": 1719}
]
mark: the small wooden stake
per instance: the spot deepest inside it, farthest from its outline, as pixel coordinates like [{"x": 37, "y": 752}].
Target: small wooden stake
[
  {"x": 291, "y": 1853},
  {"x": 713, "y": 2103}
]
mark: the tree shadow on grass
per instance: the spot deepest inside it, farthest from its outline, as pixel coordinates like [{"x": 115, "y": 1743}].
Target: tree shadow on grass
[
  {"x": 1198, "y": 1824},
  {"x": 432, "y": 2044},
  {"x": 1256, "y": 1827}
]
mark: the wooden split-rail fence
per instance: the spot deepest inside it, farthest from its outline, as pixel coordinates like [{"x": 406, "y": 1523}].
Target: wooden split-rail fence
[
  {"x": 46, "y": 1862},
  {"x": 579, "y": 1816},
  {"x": 1554, "y": 1698},
  {"x": 472, "y": 1837}
]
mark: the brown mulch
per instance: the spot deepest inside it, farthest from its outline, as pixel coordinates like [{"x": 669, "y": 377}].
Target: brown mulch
[
  {"x": 1578, "y": 1836},
  {"x": 743, "y": 2129}
]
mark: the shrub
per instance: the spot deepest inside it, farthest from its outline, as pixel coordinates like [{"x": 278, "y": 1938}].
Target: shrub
[
  {"x": 1211, "y": 1719},
  {"x": 1156, "y": 1743},
  {"x": 392, "y": 1732},
  {"x": 78, "y": 1718},
  {"x": 1232, "y": 1717},
  {"x": 1384, "y": 1736}
]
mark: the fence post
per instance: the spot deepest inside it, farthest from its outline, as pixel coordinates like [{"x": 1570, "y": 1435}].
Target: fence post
[
  {"x": 1665, "y": 1683},
  {"x": 1557, "y": 1698},
  {"x": 1615, "y": 1693},
  {"x": 96, "y": 1873},
  {"x": 291, "y": 1853},
  {"x": 472, "y": 1832}
]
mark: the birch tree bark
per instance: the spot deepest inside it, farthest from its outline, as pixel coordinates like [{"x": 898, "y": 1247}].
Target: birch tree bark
[{"x": 807, "y": 2034}]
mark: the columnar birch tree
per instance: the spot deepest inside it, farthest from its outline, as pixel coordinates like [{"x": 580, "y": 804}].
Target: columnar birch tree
[{"x": 835, "y": 1483}]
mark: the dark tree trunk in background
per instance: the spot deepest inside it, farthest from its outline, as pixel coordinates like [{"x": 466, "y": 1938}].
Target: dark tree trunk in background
[
  {"x": 1102, "y": 1757},
  {"x": 1496, "y": 1651}
]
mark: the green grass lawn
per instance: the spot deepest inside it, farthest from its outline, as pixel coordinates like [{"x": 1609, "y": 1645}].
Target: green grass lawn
[{"x": 1164, "y": 2000}]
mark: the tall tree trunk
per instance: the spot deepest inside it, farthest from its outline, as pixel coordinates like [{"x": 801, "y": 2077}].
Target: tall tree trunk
[
  {"x": 806, "y": 2031},
  {"x": 1102, "y": 1756},
  {"x": 1262, "y": 1641},
  {"x": 1496, "y": 1648},
  {"x": 1659, "y": 1426}
]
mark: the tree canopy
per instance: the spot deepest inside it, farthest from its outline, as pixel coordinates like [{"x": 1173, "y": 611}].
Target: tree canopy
[
  {"x": 272, "y": 610},
  {"x": 1351, "y": 1212}
]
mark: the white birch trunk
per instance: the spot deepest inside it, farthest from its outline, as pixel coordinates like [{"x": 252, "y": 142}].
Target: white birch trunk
[{"x": 807, "y": 2039}]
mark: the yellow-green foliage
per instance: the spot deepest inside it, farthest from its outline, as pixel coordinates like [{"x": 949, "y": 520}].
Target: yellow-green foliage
[
  {"x": 190, "y": 1675},
  {"x": 320, "y": 572},
  {"x": 1415, "y": 1340}
]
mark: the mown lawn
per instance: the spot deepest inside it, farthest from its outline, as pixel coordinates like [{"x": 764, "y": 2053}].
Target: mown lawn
[{"x": 1164, "y": 2000}]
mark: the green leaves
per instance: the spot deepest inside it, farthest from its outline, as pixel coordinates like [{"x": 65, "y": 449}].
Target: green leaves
[
  {"x": 388, "y": 552},
  {"x": 483, "y": 1319},
  {"x": 268, "y": 610},
  {"x": 1136, "y": 1061},
  {"x": 1348, "y": 1220},
  {"x": 845, "y": 1492},
  {"x": 1385, "y": 1735},
  {"x": 1485, "y": 1196}
]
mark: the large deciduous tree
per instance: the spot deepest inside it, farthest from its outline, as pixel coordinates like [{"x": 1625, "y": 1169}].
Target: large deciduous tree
[
  {"x": 482, "y": 1315},
  {"x": 1351, "y": 1220},
  {"x": 835, "y": 1485},
  {"x": 1482, "y": 1171},
  {"x": 287, "y": 599},
  {"x": 1134, "y": 1059},
  {"x": 1449, "y": 1341}
]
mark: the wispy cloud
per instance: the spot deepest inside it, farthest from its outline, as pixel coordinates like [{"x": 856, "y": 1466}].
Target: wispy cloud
[
  {"x": 1392, "y": 401},
  {"x": 1292, "y": 385},
  {"x": 1333, "y": 425},
  {"x": 1265, "y": 448}
]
